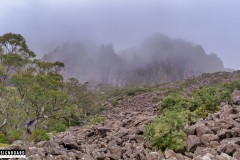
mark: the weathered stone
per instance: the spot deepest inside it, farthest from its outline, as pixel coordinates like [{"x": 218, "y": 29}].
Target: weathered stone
[
  {"x": 227, "y": 157},
  {"x": 19, "y": 143},
  {"x": 54, "y": 151},
  {"x": 236, "y": 97},
  {"x": 171, "y": 155},
  {"x": 235, "y": 132},
  {"x": 34, "y": 157},
  {"x": 236, "y": 154},
  {"x": 208, "y": 156},
  {"x": 202, "y": 129},
  {"x": 207, "y": 138},
  {"x": 103, "y": 131},
  {"x": 201, "y": 151},
  {"x": 122, "y": 132},
  {"x": 49, "y": 157},
  {"x": 69, "y": 143},
  {"x": 36, "y": 151},
  {"x": 227, "y": 110},
  {"x": 224, "y": 133},
  {"x": 154, "y": 156},
  {"x": 62, "y": 157},
  {"x": 168, "y": 153},
  {"x": 228, "y": 148},
  {"x": 215, "y": 129},
  {"x": 231, "y": 140},
  {"x": 191, "y": 130},
  {"x": 189, "y": 154},
  {"x": 181, "y": 157},
  {"x": 112, "y": 156},
  {"x": 192, "y": 141},
  {"x": 214, "y": 144},
  {"x": 117, "y": 151},
  {"x": 71, "y": 156},
  {"x": 43, "y": 144},
  {"x": 112, "y": 144},
  {"x": 137, "y": 138},
  {"x": 87, "y": 157}
]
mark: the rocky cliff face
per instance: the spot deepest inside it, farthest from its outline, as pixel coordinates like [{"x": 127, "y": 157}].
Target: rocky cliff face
[{"x": 158, "y": 59}]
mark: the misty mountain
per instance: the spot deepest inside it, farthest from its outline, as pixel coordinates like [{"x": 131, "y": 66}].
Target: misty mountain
[{"x": 158, "y": 59}]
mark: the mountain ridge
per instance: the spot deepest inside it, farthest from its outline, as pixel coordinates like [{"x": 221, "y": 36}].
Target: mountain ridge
[{"x": 158, "y": 59}]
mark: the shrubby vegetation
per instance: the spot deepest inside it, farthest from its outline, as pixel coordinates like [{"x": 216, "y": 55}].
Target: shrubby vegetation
[
  {"x": 116, "y": 95},
  {"x": 177, "y": 111},
  {"x": 97, "y": 119},
  {"x": 39, "y": 135},
  {"x": 35, "y": 98}
]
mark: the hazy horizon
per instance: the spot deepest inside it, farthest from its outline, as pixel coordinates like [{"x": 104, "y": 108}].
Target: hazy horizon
[{"x": 47, "y": 24}]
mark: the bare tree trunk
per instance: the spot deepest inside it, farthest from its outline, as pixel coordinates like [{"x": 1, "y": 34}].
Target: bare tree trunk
[
  {"x": 30, "y": 126},
  {"x": 4, "y": 123}
]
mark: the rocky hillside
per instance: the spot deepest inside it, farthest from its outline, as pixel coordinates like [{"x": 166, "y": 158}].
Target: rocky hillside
[
  {"x": 217, "y": 136},
  {"x": 158, "y": 59},
  {"x": 121, "y": 134}
]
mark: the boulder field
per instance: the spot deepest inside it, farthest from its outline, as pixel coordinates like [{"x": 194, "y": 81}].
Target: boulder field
[{"x": 216, "y": 137}]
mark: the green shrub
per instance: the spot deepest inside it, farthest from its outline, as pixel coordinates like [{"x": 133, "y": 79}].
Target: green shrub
[
  {"x": 175, "y": 141},
  {"x": 209, "y": 98},
  {"x": 131, "y": 93},
  {"x": 14, "y": 135},
  {"x": 98, "y": 119},
  {"x": 57, "y": 125},
  {"x": 3, "y": 138},
  {"x": 176, "y": 102},
  {"x": 114, "y": 103},
  {"x": 39, "y": 135},
  {"x": 167, "y": 131}
]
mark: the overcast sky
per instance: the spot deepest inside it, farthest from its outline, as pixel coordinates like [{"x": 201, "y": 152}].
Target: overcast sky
[{"x": 214, "y": 24}]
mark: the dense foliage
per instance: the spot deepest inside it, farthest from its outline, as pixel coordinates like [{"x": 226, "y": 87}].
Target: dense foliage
[
  {"x": 177, "y": 111},
  {"x": 34, "y": 97}
]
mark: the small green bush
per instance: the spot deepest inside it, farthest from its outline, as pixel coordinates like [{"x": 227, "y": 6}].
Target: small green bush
[
  {"x": 39, "y": 135},
  {"x": 176, "y": 102},
  {"x": 3, "y": 138},
  {"x": 114, "y": 103},
  {"x": 57, "y": 125},
  {"x": 167, "y": 131},
  {"x": 98, "y": 119},
  {"x": 14, "y": 135},
  {"x": 131, "y": 93}
]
